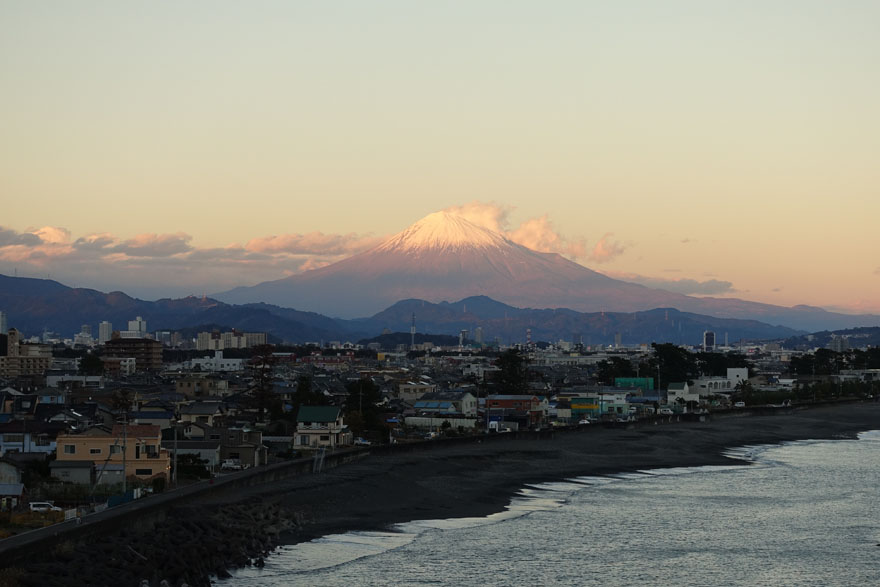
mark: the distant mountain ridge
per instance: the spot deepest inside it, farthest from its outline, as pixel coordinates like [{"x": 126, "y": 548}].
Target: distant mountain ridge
[
  {"x": 509, "y": 323},
  {"x": 446, "y": 257},
  {"x": 35, "y": 304}
]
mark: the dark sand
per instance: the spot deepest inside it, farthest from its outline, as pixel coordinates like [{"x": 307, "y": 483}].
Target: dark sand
[
  {"x": 432, "y": 480},
  {"x": 476, "y": 479}
]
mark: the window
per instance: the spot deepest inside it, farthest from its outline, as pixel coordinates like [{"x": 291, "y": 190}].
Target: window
[
  {"x": 325, "y": 438},
  {"x": 70, "y": 449},
  {"x": 215, "y": 437},
  {"x": 94, "y": 451},
  {"x": 143, "y": 471},
  {"x": 115, "y": 449},
  {"x": 13, "y": 438},
  {"x": 234, "y": 455}
]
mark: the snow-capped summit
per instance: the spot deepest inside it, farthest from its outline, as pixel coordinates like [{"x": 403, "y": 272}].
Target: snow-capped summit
[
  {"x": 446, "y": 257},
  {"x": 444, "y": 230}
]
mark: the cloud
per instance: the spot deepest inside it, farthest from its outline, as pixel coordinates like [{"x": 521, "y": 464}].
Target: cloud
[
  {"x": 685, "y": 286},
  {"x": 313, "y": 243},
  {"x": 537, "y": 233},
  {"x": 155, "y": 245},
  {"x": 606, "y": 249},
  {"x": 141, "y": 265},
  {"x": 9, "y": 237},
  {"x": 488, "y": 214}
]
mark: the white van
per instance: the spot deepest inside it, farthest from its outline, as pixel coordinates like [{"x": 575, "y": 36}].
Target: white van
[{"x": 44, "y": 506}]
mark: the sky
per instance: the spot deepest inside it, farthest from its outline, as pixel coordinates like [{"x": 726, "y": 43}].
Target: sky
[{"x": 722, "y": 148}]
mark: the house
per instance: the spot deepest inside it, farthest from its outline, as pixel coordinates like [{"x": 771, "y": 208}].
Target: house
[
  {"x": 21, "y": 436},
  {"x": 526, "y": 410},
  {"x": 681, "y": 393},
  {"x": 206, "y": 412},
  {"x": 198, "y": 386},
  {"x": 81, "y": 472},
  {"x": 321, "y": 426},
  {"x": 462, "y": 402},
  {"x": 11, "y": 495},
  {"x": 412, "y": 391},
  {"x": 140, "y": 445}
]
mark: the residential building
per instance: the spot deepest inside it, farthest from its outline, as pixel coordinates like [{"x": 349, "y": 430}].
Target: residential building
[
  {"x": 146, "y": 352},
  {"x": 138, "y": 447},
  {"x": 462, "y": 402},
  {"x": 321, "y": 426},
  {"x": 681, "y": 393},
  {"x": 411, "y": 391},
  {"x": 201, "y": 386},
  {"x": 217, "y": 341},
  {"x": 23, "y": 359}
]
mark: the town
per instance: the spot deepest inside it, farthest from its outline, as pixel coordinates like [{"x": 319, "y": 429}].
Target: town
[{"x": 89, "y": 422}]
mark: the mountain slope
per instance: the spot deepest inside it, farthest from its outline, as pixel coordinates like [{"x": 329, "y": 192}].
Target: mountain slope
[
  {"x": 509, "y": 324},
  {"x": 33, "y": 305},
  {"x": 446, "y": 257}
]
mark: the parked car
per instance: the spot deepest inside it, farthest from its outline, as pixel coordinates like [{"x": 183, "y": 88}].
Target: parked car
[
  {"x": 231, "y": 465},
  {"x": 666, "y": 412},
  {"x": 44, "y": 506},
  {"x": 583, "y": 422},
  {"x": 739, "y": 405},
  {"x": 362, "y": 442}
]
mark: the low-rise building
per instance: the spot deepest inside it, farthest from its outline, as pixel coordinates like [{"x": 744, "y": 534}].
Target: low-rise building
[
  {"x": 138, "y": 447},
  {"x": 321, "y": 426}
]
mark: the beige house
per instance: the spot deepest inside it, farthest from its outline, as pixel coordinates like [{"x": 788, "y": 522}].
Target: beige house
[
  {"x": 143, "y": 456},
  {"x": 321, "y": 426}
]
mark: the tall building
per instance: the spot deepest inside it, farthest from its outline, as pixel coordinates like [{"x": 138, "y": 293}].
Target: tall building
[
  {"x": 105, "y": 331},
  {"x": 708, "y": 341},
  {"x": 4, "y": 327},
  {"x": 478, "y": 335},
  {"x": 138, "y": 326}
]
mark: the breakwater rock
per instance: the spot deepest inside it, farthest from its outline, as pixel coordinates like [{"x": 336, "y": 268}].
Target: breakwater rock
[{"x": 193, "y": 544}]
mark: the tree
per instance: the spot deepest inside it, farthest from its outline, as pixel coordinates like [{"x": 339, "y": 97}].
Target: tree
[
  {"x": 91, "y": 365},
  {"x": 676, "y": 364},
  {"x": 262, "y": 364},
  {"x": 305, "y": 395},
  {"x": 610, "y": 369},
  {"x": 513, "y": 375},
  {"x": 361, "y": 410}
]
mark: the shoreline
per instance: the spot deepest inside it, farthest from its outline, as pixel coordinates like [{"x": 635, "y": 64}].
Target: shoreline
[
  {"x": 479, "y": 479},
  {"x": 436, "y": 480}
]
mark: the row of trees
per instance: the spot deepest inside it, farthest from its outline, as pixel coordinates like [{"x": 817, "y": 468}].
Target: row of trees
[{"x": 670, "y": 363}]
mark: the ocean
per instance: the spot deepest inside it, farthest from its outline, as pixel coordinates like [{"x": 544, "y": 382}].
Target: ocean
[{"x": 800, "y": 513}]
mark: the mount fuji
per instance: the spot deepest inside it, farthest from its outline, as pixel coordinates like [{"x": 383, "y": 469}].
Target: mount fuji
[{"x": 446, "y": 257}]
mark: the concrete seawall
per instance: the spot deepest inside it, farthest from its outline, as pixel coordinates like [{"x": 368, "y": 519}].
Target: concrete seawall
[{"x": 142, "y": 514}]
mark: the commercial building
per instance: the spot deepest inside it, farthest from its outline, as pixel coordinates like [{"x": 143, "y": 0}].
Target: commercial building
[{"x": 105, "y": 331}]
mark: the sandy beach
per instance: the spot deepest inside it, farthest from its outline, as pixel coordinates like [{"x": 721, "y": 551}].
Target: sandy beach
[
  {"x": 432, "y": 480},
  {"x": 476, "y": 479}
]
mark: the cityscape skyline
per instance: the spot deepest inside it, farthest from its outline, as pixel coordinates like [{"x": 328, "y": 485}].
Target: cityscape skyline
[{"x": 722, "y": 150}]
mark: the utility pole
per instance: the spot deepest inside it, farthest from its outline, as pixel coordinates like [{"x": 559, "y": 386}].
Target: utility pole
[
  {"x": 124, "y": 449},
  {"x": 174, "y": 464}
]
